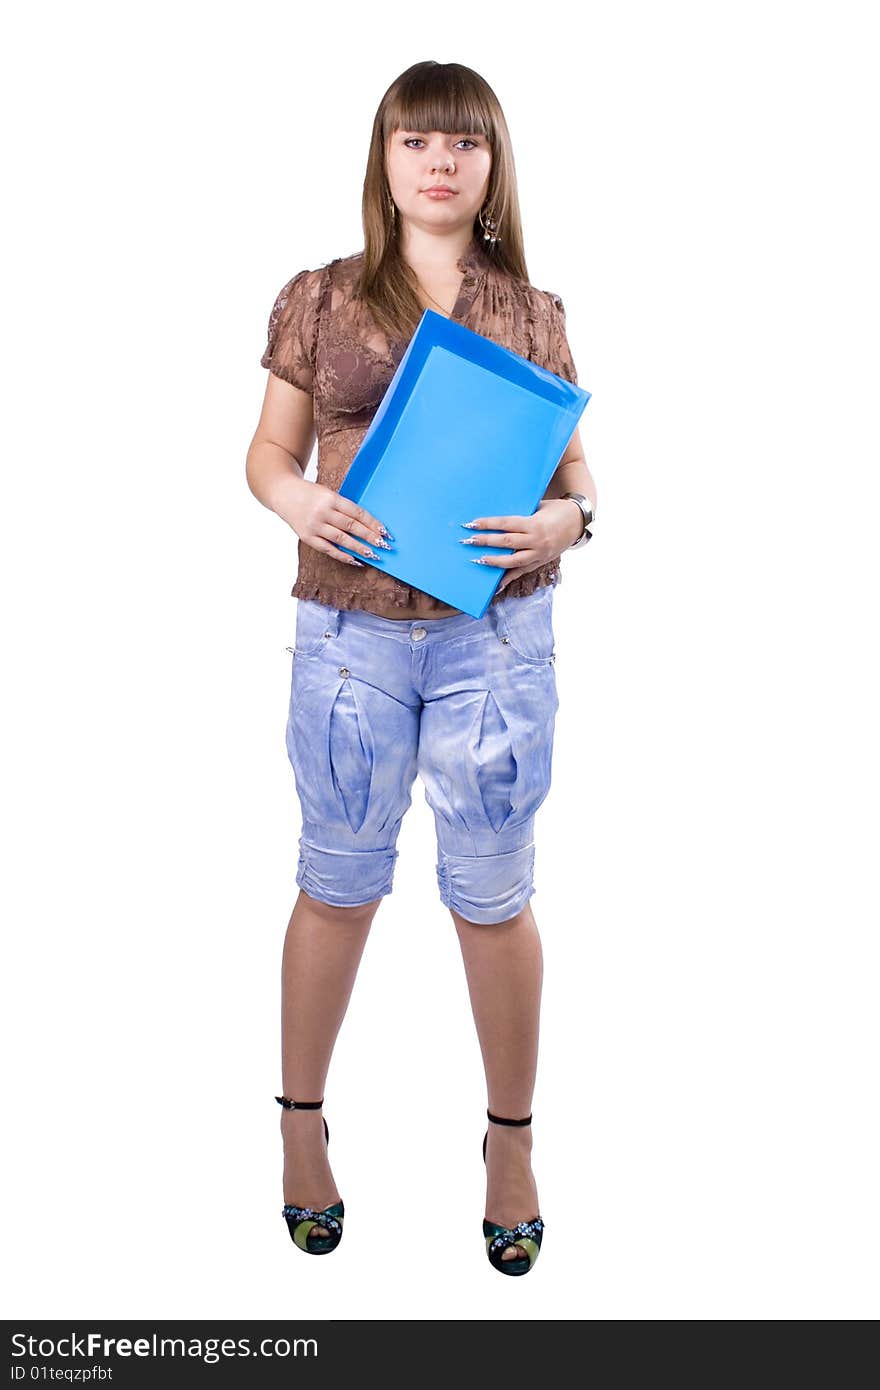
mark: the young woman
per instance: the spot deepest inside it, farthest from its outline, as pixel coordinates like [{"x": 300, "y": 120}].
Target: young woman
[{"x": 387, "y": 681}]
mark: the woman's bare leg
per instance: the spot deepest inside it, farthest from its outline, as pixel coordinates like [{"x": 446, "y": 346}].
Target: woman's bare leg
[
  {"x": 322, "y": 952},
  {"x": 505, "y": 967}
]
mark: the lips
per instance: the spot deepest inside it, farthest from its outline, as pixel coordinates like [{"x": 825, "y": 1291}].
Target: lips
[{"x": 438, "y": 188}]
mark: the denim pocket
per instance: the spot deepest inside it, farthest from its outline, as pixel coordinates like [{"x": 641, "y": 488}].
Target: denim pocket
[
  {"x": 313, "y": 628},
  {"x": 526, "y": 626}
]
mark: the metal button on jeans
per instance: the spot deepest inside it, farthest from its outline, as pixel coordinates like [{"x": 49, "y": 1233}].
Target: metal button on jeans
[{"x": 418, "y": 633}]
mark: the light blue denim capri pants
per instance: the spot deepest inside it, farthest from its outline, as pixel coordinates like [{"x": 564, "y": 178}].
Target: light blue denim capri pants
[{"x": 468, "y": 704}]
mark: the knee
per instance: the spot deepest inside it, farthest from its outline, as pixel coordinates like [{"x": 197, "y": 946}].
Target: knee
[
  {"x": 349, "y": 881},
  {"x": 357, "y": 915},
  {"x": 487, "y": 889}
]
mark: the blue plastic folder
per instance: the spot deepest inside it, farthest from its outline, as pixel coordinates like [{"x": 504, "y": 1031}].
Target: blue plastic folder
[{"x": 466, "y": 429}]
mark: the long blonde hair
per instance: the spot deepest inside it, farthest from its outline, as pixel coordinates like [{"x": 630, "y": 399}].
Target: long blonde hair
[{"x": 451, "y": 98}]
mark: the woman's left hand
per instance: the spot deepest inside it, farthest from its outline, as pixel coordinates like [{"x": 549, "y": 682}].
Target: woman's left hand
[{"x": 555, "y": 526}]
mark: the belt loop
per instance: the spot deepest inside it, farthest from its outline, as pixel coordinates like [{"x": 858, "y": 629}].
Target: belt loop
[{"x": 495, "y": 614}]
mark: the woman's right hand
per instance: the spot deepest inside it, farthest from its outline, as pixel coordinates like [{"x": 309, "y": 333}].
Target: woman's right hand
[{"x": 324, "y": 520}]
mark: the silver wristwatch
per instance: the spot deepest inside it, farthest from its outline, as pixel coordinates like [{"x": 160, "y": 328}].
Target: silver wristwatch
[{"x": 587, "y": 510}]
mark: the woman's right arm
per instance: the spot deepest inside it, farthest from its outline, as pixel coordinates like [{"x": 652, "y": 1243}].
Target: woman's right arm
[{"x": 276, "y": 462}]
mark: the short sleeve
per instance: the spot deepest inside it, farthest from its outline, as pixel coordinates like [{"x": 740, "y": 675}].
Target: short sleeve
[
  {"x": 293, "y": 330},
  {"x": 559, "y": 358}
]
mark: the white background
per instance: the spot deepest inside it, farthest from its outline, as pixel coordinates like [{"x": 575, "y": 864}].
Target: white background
[{"x": 696, "y": 182}]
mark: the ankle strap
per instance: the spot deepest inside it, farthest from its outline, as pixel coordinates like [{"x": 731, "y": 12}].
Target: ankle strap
[
  {"x": 500, "y": 1120},
  {"x": 299, "y": 1104}
]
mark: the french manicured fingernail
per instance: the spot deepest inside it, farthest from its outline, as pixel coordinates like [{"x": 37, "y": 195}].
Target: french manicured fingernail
[
  {"x": 481, "y": 560},
  {"x": 468, "y": 540},
  {"x": 377, "y": 540},
  {"x": 353, "y": 561},
  {"x": 470, "y": 524},
  {"x": 385, "y": 531}
]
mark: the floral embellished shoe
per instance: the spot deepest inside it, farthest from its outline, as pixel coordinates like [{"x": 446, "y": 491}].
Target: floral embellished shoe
[
  {"x": 525, "y": 1235},
  {"x": 301, "y": 1221}
]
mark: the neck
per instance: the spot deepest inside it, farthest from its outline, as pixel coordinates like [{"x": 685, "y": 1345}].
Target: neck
[{"x": 435, "y": 253}]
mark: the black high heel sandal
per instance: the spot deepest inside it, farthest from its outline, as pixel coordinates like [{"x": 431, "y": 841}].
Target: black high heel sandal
[
  {"x": 302, "y": 1220},
  {"x": 526, "y": 1234}
]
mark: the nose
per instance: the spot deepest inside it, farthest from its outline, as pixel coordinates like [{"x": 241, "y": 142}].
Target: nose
[{"x": 443, "y": 160}]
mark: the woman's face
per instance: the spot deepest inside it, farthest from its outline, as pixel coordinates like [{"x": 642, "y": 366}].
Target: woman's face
[{"x": 416, "y": 161}]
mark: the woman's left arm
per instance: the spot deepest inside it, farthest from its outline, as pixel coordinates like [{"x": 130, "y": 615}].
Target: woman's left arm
[
  {"x": 572, "y": 475},
  {"x": 555, "y": 526}
]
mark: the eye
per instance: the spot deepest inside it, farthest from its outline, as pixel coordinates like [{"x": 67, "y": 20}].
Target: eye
[{"x": 465, "y": 140}]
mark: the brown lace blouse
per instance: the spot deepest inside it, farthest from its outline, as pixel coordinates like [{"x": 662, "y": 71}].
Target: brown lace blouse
[{"x": 324, "y": 341}]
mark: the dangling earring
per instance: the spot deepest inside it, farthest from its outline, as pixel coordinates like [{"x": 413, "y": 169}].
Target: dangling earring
[
  {"x": 393, "y": 208},
  {"x": 489, "y": 225}
]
